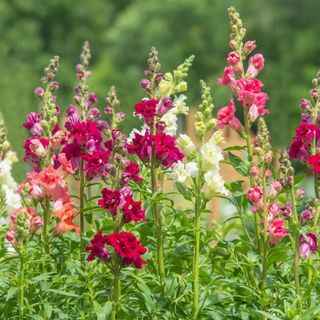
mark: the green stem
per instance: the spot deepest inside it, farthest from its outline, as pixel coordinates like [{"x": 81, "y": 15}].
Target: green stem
[
  {"x": 81, "y": 196},
  {"x": 250, "y": 156},
  {"x": 116, "y": 294},
  {"x": 265, "y": 233},
  {"x": 21, "y": 286},
  {"x": 158, "y": 219},
  {"x": 297, "y": 242},
  {"x": 46, "y": 222},
  {"x": 196, "y": 260}
]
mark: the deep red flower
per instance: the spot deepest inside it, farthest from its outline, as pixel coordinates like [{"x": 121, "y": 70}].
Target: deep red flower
[
  {"x": 131, "y": 172},
  {"x": 141, "y": 145},
  {"x": 110, "y": 200},
  {"x": 314, "y": 161},
  {"x": 147, "y": 109},
  {"x": 132, "y": 210},
  {"x": 166, "y": 150},
  {"x": 97, "y": 248},
  {"x": 96, "y": 164},
  {"x": 127, "y": 247}
]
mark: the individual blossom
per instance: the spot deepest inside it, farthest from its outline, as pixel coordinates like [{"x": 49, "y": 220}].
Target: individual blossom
[
  {"x": 287, "y": 209},
  {"x": 132, "y": 210},
  {"x": 308, "y": 244},
  {"x": 277, "y": 230},
  {"x": 97, "y": 248},
  {"x": 273, "y": 210},
  {"x": 65, "y": 213},
  {"x": 141, "y": 145},
  {"x": 254, "y": 194},
  {"x": 131, "y": 172},
  {"x": 185, "y": 144},
  {"x": 226, "y": 116},
  {"x": 147, "y": 110},
  {"x": 275, "y": 188},
  {"x": 32, "y": 123},
  {"x": 314, "y": 161},
  {"x": 96, "y": 164},
  {"x": 256, "y": 64},
  {"x": 110, "y": 200},
  {"x": 127, "y": 247},
  {"x": 211, "y": 154},
  {"x": 306, "y": 216},
  {"x": 214, "y": 184}
]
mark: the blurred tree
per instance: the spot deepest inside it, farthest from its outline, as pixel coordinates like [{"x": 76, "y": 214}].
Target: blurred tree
[{"x": 121, "y": 33}]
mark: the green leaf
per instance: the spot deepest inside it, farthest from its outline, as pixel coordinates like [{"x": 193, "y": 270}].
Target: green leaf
[
  {"x": 268, "y": 315},
  {"x": 187, "y": 194},
  {"x": 63, "y": 293},
  {"x": 238, "y": 164},
  {"x": 11, "y": 293}
]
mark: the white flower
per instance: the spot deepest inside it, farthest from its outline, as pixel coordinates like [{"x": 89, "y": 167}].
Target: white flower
[
  {"x": 214, "y": 184},
  {"x": 192, "y": 169},
  {"x": 171, "y": 121},
  {"x": 7, "y": 184},
  {"x": 180, "y": 174},
  {"x": 185, "y": 144},
  {"x": 211, "y": 155},
  {"x": 180, "y": 105}
]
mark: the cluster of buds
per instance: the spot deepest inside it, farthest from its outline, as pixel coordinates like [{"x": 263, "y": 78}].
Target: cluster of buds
[
  {"x": 204, "y": 121},
  {"x": 4, "y": 143},
  {"x": 173, "y": 83},
  {"x": 238, "y": 32},
  {"x": 153, "y": 76},
  {"x": 262, "y": 143},
  {"x": 112, "y": 102},
  {"x": 286, "y": 169}
]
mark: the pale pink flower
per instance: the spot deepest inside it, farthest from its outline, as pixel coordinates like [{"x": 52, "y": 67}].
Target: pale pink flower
[
  {"x": 275, "y": 188},
  {"x": 254, "y": 194},
  {"x": 256, "y": 64},
  {"x": 37, "y": 147}
]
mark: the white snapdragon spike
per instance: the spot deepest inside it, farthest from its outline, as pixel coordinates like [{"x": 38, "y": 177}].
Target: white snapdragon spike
[
  {"x": 214, "y": 184},
  {"x": 211, "y": 155},
  {"x": 180, "y": 105},
  {"x": 185, "y": 144}
]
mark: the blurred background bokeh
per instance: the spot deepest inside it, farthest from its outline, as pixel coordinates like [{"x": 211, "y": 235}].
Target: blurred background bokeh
[{"x": 121, "y": 33}]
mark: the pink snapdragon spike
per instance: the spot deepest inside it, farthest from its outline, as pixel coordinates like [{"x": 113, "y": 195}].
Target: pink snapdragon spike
[
  {"x": 308, "y": 244},
  {"x": 277, "y": 230},
  {"x": 243, "y": 85}
]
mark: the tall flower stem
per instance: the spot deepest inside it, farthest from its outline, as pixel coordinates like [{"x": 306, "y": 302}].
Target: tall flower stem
[
  {"x": 21, "y": 285},
  {"x": 196, "y": 260},
  {"x": 265, "y": 233},
  {"x": 250, "y": 156},
  {"x": 46, "y": 222},
  {"x": 297, "y": 245},
  {"x": 82, "y": 204},
  {"x": 158, "y": 219},
  {"x": 116, "y": 294}
]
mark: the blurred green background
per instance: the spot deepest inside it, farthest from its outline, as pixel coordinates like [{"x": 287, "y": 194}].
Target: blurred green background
[{"x": 121, "y": 33}]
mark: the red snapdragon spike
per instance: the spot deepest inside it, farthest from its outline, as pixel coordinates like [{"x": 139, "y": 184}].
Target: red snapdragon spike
[
  {"x": 127, "y": 247},
  {"x": 132, "y": 170},
  {"x": 141, "y": 145}
]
